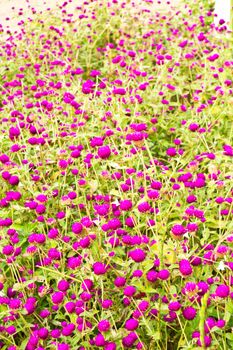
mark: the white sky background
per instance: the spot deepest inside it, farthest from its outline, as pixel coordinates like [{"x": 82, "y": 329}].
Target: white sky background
[{"x": 222, "y": 9}]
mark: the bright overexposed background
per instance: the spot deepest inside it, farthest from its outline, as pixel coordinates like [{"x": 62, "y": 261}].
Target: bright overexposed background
[
  {"x": 10, "y": 9},
  {"x": 222, "y": 9}
]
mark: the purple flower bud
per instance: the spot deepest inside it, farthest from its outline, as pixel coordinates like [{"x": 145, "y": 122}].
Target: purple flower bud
[
  {"x": 222, "y": 291},
  {"x": 77, "y": 228},
  {"x": 131, "y": 324},
  {"x": 104, "y": 152},
  {"x": 189, "y": 313},
  {"x": 104, "y": 326},
  {"x": 137, "y": 255},
  {"x": 185, "y": 267},
  {"x": 99, "y": 268},
  {"x": 57, "y": 297}
]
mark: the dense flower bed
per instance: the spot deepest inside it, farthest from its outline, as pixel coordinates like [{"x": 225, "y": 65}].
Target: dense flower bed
[{"x": 116, "y": 180}]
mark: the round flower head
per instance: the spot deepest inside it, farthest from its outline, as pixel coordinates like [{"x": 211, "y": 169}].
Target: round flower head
[
  {"x": 163, "y": 274},
  {"x": 99, "y": 268},
  {"x": 104, "y": 152},
  {"x": 57, "y": 297},
  {"x": 10, "y": 330},
  {"x": 63, "y": 346},
  {"x": 77, "y": 228},
  {"x": 220, "y": 323},
  {"x": 63, "y": 285},
  {"x": 68, "y": 329},
  {"x": 174, "y": 306},
  {"x": 104, "y": 326},
  {"x": 131, "y": 324},
  {"x": 222, "y": 291},
  {"x": 209, "y": 324},
  {"x": 171, "y": 152},
  {"x": 152, "y": 275},
  {"x": 129, "y": 340},
  {"x": 13, "y": 180},
  {"x": 87, "y": 285},
  {"x": 125, "y": 205},
  {"x": 129, "y": 291},
  {"x": 99, "y": 340},
  {"x": 106, "y": 304},
  {"x": 189, "y": 313},
  {"x": 43, "y": 333},
  {"x": 110, "y": 346},
  {"x": 137, "y": 255},
  {"x": 144, "y": 207},
  {"x": 185, "y": 267},
  {"x": 119, "y": 281},
  {"x": 178, "y": 230}
]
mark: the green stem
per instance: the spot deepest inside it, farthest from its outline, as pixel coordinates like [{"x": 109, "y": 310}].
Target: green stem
[{"x": 202, "y": 319}]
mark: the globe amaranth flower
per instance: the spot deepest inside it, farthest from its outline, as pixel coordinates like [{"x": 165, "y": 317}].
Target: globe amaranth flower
[
  {"x": 129, "y": 340},
  {"x": 106, "y": 304},
  {"x": 189, "y": 313},
  {"x": 129, "y": 291},
  {"x": 57, "y": 297},
  {"x": 119, "y": 281},
  {"x": 104, "y": 152},
  {"x": 207, "y": 341},
  {"x": 63, "y": 285},
  {"x": 131, "y": 324},
  {"x": 104, "y": 326},
  {"x": 43, "y": 333},
  {"x": 68, "y": 329},
  {"x": 178, "y": 230},
  {"x": 99, "y": 268},
  {"x": 126, "y": 205},
  {"x": 63, "y": 346},
  {"x": 163, "y": 274},
  {"x": 144, "y": 207},
  {"x": 185, "y": 267},
  {"x": 174, "y": 306},
  {"x": 99, "y": 340},
  {"x": 110, "y": 346},
  {"x": 77, "y": 228},
  {"x": 137, "y": 255},
  {"x": 222, "y": 291},
  {"x": 171, "y": 152},
  {"x": 152, "y": 276}
]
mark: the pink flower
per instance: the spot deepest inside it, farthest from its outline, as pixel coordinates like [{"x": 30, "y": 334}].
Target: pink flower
[
  {"x": 104, "y": 326},
  {"x": 77, "y": 228},
  {"x": 137, "y": 255},
  {"x": 185, "y": 267},
  {"x": 222, "y": 291},
  {"x": 189, "y": 313},
  {"x": 131, "y": 324},
  {"x": 104, "y": 152}
]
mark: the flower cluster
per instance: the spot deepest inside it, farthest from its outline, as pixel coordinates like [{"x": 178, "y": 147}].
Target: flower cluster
[{"x": 116, "y": 195}]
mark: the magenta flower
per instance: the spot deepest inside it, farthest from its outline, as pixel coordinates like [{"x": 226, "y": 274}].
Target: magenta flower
[
  {"x": 137, "y": 255},
  {"x": 99, "y": 268},
  {"x": 178, "y": 230},
  {"x": 104, "y": 152},
  {"x": 222, "y": 291},
  {"x": 126, "y": 205},
  {"x": 131, "y": 324},
  {"x": 77, "y": 228},
  {"x": 185, "y": 267},
  {"x": 57, "y": 297},
  {"x": 189, "y": 313},
  {"x": 104, "y": 326}
]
